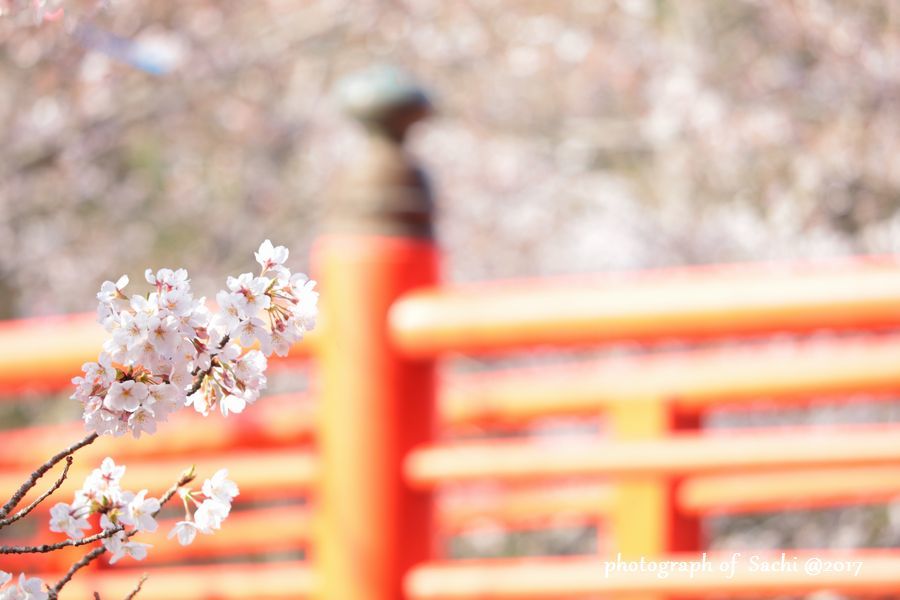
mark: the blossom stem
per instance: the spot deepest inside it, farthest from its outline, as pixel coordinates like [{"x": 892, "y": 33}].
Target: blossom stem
[
  {"x": 41, "y": 498},
  {"x": 41, "y": 470},
  {"x": 186, "y": 477}
]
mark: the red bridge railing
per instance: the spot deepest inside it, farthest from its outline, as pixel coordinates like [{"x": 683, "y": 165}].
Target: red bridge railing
[{"x": 379, "y": 431}]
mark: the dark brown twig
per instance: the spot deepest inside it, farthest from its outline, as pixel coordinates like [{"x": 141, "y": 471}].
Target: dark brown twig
[
  {"x": 53, "y": 593},
  {"x": 41, "y": 470},
  {"x": 43, "y": 548},
  {"x": 137, "y": 589},
  {"x": 41, "y": 498},
  {"x": 202, "y": 375},
  {"x": 198, "y": 382}
]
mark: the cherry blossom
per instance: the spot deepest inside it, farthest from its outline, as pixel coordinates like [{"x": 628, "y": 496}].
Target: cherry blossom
[
  {"x": 142, "y": 420},
  {"x": 253, "y": 329},
  {"x": 219, "y": 487},
  {"x": 211, "y": 511},
  {"x": 69, "y": 519},
  {"x": 186, "y": 532},
  {"x": 167, "y": 348},
  {"x": 126, "y": 395},
  {"x": 232, "y": 309},
  {"x": 210, "y": 515},
  {"x": 250, "y": 293},
  {"x": 118, "y": 546},
  {"x": 140, "y": 511},
  {"x": 271, "y": 258},
  {"x": 105, "y": 478},
  {"x": 112, "y": 292},
  {"x": 232, "y": 403},
  {"x": 123, "y": 513},
  {"x": 27, "y": 588}
]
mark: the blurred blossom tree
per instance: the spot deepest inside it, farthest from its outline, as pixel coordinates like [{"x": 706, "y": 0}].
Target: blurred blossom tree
[{"x": 575, "y": 136}]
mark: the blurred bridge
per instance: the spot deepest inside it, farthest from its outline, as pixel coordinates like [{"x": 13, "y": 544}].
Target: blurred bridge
[{"x": 349, "y": 491}]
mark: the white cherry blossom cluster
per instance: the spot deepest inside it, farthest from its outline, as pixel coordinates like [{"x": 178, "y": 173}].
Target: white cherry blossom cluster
[
  {"x": 26, "y": 588},
  {"x": 118, "y": 509},
  {"x": 168, "y": 349},
  {"x": 124, "y": 513},
  {"x": 212, "y": 503}
]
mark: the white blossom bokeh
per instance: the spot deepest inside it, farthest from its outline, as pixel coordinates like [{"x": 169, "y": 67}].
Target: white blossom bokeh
[{"x": 571, "y": 136}]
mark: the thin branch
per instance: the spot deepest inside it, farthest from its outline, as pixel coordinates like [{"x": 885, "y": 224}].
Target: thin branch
[
  {"x": 186, "y": 477},
  {"x": 41, "y": 498},
  {"x": 198, "y": 382},
  {"x": 137, "y": 589},
  {"x": 53, "y": 593},
  {"x": 43, "y": 548},
  {"x": 39, "y": 472},
  {"x": 204, "y": 374}
]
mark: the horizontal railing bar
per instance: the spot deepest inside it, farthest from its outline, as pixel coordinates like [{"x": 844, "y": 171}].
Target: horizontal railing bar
[
  {"x": 551, "y": 578},
  {"x": 261, "y": 473},
  {"x": 263, "y": 425},
  {"x": 524, "y": 507},
  {"x": 786, "y": 490},
  {"x": 691, "y": 380},
  {"x": 256, "y": 581},
  {"x": 44, "y": 353},
  {"x": 688, "y": 304},
  {"x": 778, "y": 490},
  {"x": 676, "y": 456}
]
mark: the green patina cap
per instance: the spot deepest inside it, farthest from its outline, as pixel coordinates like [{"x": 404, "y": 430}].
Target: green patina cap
[
  {"x": 384, "y": 99},
  {"x": 384, "y": 191}
]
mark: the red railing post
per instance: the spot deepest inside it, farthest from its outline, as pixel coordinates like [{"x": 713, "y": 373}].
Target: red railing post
[
  {"x": 375, "y": 404},
  {"x": 685, "y": 531}
]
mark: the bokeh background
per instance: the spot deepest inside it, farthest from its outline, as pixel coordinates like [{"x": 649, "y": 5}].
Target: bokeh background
[{"x": 571, "y": 136}]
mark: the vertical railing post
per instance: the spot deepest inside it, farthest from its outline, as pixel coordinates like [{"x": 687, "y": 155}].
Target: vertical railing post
[
  {"x": 685, "y": 532},
  {"x": 375, "y": 404},
  {"x": 646, "y": 521}
]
